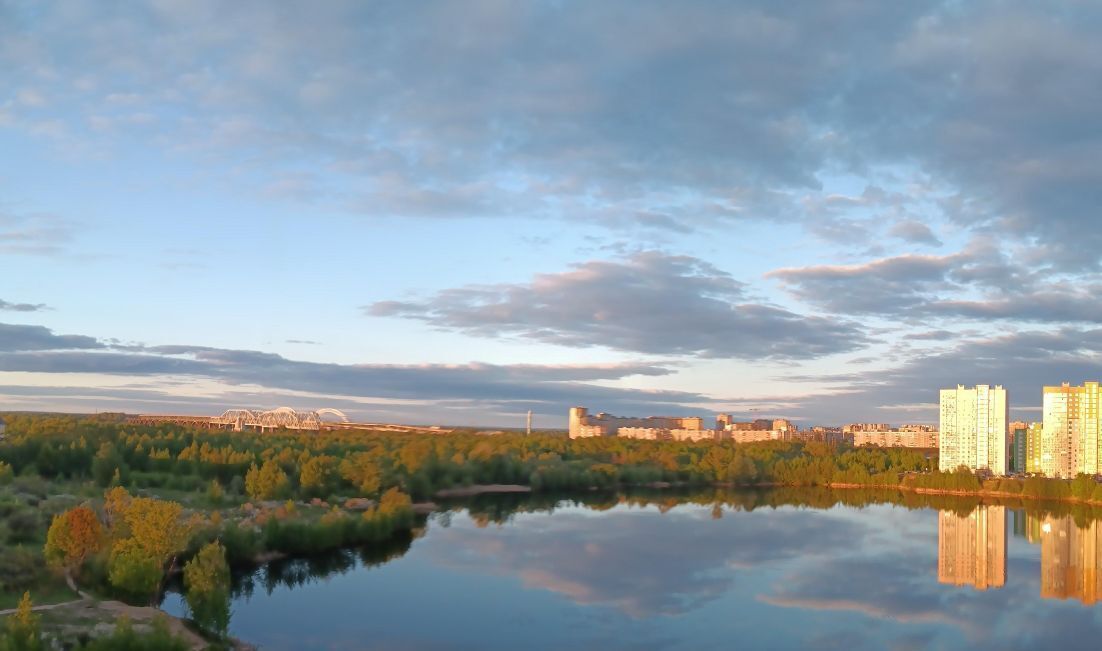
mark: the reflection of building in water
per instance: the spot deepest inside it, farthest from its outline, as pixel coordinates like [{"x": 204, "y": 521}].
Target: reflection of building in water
[
  {"x": 1070, "y": 559},
  {"x": 1028, "y": 526},
  {"x": 972, "y": 548}
]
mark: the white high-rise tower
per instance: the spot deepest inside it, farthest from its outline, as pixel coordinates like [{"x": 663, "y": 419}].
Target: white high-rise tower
[{"x": 973, "y": 429}]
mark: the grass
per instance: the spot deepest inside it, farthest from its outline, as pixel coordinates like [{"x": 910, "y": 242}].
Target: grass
[{"x": 49, "y": 591}]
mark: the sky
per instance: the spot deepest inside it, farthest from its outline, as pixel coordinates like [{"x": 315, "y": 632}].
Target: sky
[{"x": 456, "y": 212}]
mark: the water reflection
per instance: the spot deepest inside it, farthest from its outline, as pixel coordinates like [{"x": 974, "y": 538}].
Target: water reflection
[
  {"x": 1071, "y": 567},
  {"x": 776, "y": 570},
  {"x": 972, "y": 547},
  {"x": 972, "y": 550}
]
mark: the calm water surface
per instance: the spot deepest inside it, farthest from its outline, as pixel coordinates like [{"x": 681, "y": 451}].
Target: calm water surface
[{"x": 696, "y": 577}]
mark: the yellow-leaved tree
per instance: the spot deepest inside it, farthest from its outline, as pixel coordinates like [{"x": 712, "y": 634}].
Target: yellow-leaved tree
[
  {"x": 266, "y": 482},
  {"x": 317, "y": 473},
  {"x": 20, "y": 631},
  {"x": 363, "y": 472},
  {"x": 156, "y": 533}
]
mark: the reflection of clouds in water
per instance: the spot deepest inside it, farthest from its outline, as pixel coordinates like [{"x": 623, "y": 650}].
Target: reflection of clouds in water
[
  {"x": 634, "y": 560},
  {"x": 894, "y": 588}
]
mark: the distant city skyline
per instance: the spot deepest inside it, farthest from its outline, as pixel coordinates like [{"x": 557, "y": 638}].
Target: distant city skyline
[{"x": 457, "y": 213}]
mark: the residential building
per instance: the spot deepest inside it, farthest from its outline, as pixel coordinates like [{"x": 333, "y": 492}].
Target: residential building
[
  {"x": 756, "y": 435},
  {"x": 913, "y": 437},
  {"x": 972, "y": 548},
  {"x": 644, "y": 433},
  {"x": 973, "y": 429},
  {"x": 581, "y": 424},
  {"x": 1019, "y": 434},
  {"x": 783, "y": 425},
  {"x": 688, "y": 434},
  {"x": 866, "y": 427},
  {"x": 1033, "y": 455},
  {"x": 1070, "y": 430}
]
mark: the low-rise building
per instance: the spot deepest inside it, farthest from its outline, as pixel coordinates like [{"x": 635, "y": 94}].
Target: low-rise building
[
  {"x": 582, "y": 424},
  {"x": 866, "y": 427},
  {"x": 644, "y": 433},
  {"x": 917, "y": 436},
  {"x": 756, "y": 435},
  {"x": 686, "y": 434}
]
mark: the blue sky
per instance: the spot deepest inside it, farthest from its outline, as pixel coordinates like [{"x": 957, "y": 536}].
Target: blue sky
[{"x": 456, "y": 212}]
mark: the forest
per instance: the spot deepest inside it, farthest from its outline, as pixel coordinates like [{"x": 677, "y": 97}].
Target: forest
[{"x": 118, "y": 511}]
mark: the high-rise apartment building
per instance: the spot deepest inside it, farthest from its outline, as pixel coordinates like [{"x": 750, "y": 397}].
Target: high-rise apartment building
[
  {"x": 1070, "y": 432},
  {"x": 973, "y": 429},
  {"x": 1019, "y": 433},
  {"x": 1033, "y": 436},
  {"x": 972, "y": 548}
]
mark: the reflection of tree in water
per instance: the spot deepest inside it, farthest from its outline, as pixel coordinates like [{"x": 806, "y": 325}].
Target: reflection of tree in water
[
  {"x": 296, "y": 572},
  {"x": 501, "y": 508}
]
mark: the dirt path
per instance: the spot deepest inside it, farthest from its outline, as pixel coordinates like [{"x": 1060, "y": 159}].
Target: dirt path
[{"x": 63, "y": 604}]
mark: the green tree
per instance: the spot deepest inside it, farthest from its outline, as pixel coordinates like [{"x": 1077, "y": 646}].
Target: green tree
[
  {"x": 108, "y": 465},
  {"x": 207, "y": 589},
  {"x": 133, "y": 571}
]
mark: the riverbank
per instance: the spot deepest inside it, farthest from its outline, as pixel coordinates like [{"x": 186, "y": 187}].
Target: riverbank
[
  {"x": 88, "y": 617},
  {"x": 979, "y": 493},
  {"x": 481, "y": 489}
]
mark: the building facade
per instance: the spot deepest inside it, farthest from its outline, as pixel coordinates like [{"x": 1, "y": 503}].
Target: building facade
[
  {"x": 973, "y": 429},
  {"x": 898, "y": 438},
  {"x": 582, "y": 424},
  {"x": 866, "y": 427},
  {"x": 1019, "y": 435},
  {"x": 1033, "y": 436},
  {"x": 1070, "y": 431}
]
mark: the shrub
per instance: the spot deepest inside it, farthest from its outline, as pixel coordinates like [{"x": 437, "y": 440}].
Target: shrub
[
  {"x": 23, "y": 525},
  {"x": 20, "y": 568},
  {"x": 21, "y": 632},
  {"x": 124, "y": 638},
  {"x": 207, "y": 585}
]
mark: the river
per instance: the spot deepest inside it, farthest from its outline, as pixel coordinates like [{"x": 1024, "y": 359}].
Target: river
[{"x": 511, "y": 573}]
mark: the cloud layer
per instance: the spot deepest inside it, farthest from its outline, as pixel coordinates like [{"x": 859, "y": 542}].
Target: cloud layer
[
  {"x": 474, "y": 393},
  {"x": 649, "y": 302}
]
